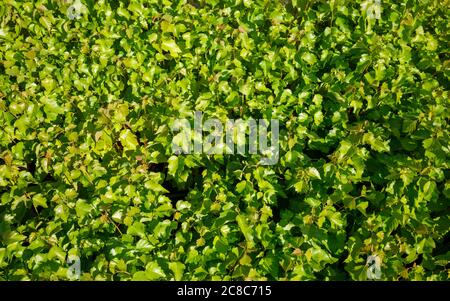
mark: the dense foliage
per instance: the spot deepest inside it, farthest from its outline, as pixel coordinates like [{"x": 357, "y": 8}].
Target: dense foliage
[{"x": 87, "y": 169}]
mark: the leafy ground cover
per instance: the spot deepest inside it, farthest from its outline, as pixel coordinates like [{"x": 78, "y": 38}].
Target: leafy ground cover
[{"x": 87, "y": 94}]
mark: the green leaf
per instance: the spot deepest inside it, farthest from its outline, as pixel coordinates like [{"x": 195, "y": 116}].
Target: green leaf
[
  {"x": 137, "y": 229},
  {"x": 140, "y": 276},
  {"x": 310, "y": 58},
  {"x": 155, "y": 187},
  {"x": 246, "y": 230},
  {"x": 173, "y": 165},
  {"x": 39, "y": 200},
  {"x": 170, "y": 46},
  {"x": 82, "y": 208},
  {"x": 178, "y": 270},
  {"x": 128, "y": 140},
  {"x": 154, "y": 272},
  {"x": 240, "y": 187},
  {"x": 314, "y": 173},
  {"x": 57, "y": 252}
]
